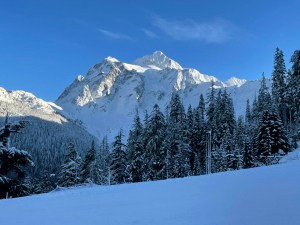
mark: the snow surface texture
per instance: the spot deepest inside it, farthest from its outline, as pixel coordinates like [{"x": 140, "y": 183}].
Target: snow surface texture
[
  {"x": 107, "y": 98},
  {"x": 260, "y": 196}
]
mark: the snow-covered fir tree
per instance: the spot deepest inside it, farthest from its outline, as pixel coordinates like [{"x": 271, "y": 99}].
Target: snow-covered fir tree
[
  {"x": 193, "y": 156},
  {"x": 103, "y": 162},
  {"x": 118, "y": 164},
  {"x": 279, "y": 84},
  {"x": 13, "y": 163},
  {"x": 154, "y": 156},
  {"x": 89, "y": 172},
  {"x": 43, "y": 184},
  {"x": 178, "y": 139},
  {"x": 70, "y": 169},
  {"x": 264, "y": 102},
  {"x": 271, "y": 137},
  {"x": 211, "y": 112},
  {"x": 293, "y": 94},
  {"x": 135, "y": 152},
  {"x": 248, "y": 155},
  {"x": 248, "y": 116},
  {"x": 198, "y": 140}
]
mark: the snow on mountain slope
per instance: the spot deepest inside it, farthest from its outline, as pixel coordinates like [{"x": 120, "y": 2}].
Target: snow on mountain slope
[
  {"x": 107, "y": 98},
  {"x": 157, "y": 60},
  {"x": 21, "y": 103},
  {"x": 260, "y": 196},
  {"x": 233, "y": 81},
  {"x": 47, "y": 134}
]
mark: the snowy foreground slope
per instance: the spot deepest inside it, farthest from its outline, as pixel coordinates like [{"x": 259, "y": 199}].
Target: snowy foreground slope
[{"x": 266, "y": 196}]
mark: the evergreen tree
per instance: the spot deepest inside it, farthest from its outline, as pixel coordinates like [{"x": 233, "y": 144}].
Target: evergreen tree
[
  {"x": 154, "y": 157},
  {"x": 279, "y": 85},
  {"x": 13, "y": 163},
  {"x": 89, "y": 170},
  {"x": 293, "y": 92},
  {"x": 239, "y": 134},
  {"x": 248, "y": 116},
  {"x": 211, "y": 123},
  {"x": 255, "y": 112},
  {"x": 201, "y": 109},
  {"x": 189, "y": 127},
  {"x": 225, "y": 122},
  {"x": 70, "y": 169},
  {"x": 248, "y": 156},
  {"x": 135, "y": 153},
  {"x": 219, "y": 160},
  {"x": 42, "y": 184},
  {"x": 177, "y": 114},
  {"x": 118, "y": 160},
  {"x": 180, "y": 148},
  {"x": 167, "y": 152},
  {"x": 228, "y": 116},
  {"x": 103, "y": 161},
  {"x": 271, "y": 137},
  {"x": 264, "y": 97},
  {"x": 211, "y": 108},
  {"x": 134, "y": 135},
  {"x": 199, "y": 137},
  {"x": 198, "y": 145}
]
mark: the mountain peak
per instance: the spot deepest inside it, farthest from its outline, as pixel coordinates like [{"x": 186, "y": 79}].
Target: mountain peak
[
  {"x": 157, "y": 60},
  {"x": 158, "y": 53},
  {"x": 111, "y": 59},
  {"x": 233, "y": 81}
]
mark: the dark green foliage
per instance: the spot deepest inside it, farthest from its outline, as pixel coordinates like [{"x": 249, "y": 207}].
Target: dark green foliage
[
  {"x": 211, "y": 109},
  {"x": 135, "y": 152},
  {"x": 271, "y": 137},
  {"x": 153, "y": 139},
  {"x": 118, "y": 161},
  {"x": 248, "y": 156},
  {"x": 279, "y": 84},
  {"x": 264, "y": 98},
  {"x": 70, "y": 169},
  {"x": 88, "y": 173},
  {"x": 13, "y": 162},
  {"x": 177, "y": 126},
  {"x": 293, "y": 95},
  {"x": 43, "y": 184},
  {"x": 47, "y": 143},
  {"x": 103, "y": 162},
  {"x": 198, "y": 146},
  {"x": 248, "y": 116}
]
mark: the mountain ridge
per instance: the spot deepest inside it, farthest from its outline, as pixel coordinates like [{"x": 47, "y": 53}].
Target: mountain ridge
[
  {"x": 47, "y": 133},
  {"x": 111, "y": 92}
]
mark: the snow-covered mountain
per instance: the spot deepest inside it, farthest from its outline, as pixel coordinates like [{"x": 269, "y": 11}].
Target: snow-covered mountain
[
  {"x": 157, "y": 60},
  {"x": 21, "y": 103},
  {"x": 111, "y": 92},
  {"x": 47, "y": 133}
]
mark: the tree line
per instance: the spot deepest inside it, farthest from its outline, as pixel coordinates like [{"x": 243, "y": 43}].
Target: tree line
[{"x": 172, "y": 142}]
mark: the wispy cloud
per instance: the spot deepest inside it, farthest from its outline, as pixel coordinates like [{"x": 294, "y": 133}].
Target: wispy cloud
[
  {"x": 150, "y": 33},
  {"x": 216, "y": 31},
  {"x": 115, "y": 35}
]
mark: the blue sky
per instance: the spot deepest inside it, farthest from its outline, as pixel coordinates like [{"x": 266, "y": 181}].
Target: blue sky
[{"x": 44, "y": 45}]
